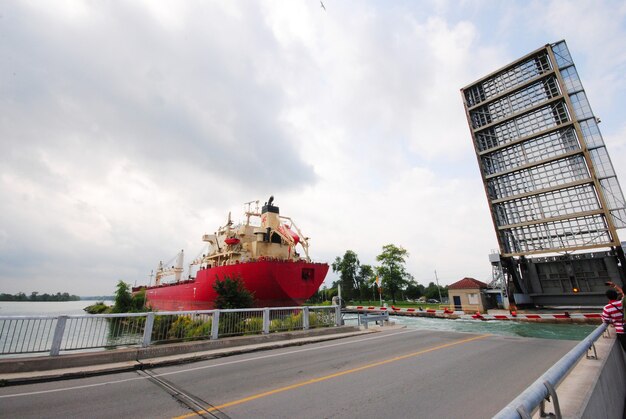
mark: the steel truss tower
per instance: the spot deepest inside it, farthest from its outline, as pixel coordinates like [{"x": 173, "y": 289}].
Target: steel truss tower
[{"x": 548, "y": 178}]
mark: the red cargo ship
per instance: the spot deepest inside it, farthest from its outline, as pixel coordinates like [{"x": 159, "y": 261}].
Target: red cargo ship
[{"x": 264, "y": 256}]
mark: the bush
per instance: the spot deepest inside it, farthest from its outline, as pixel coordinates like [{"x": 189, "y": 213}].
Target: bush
[
  {"x": 321, "y": 319},
  {"x": 291, "y": 322},
  {"x": 98, "y": 308},
  {"x": 253, "y": 325},
  {"x": 180, "y": 327},
  {"x": 276, "y": 325},
  {"x": 160, "y": 328},
  {"x": 199, "y": 329},
  {"x": 138, "y": 301}
]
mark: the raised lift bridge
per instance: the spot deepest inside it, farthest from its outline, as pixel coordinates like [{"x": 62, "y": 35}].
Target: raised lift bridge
[{"x": 554, "y": 197}]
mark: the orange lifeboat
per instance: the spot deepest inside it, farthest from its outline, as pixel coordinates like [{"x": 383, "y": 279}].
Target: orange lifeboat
[{"x": 289, "y": 232}]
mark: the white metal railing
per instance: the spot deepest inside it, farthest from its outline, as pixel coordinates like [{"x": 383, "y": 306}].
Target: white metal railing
[{"x": 53, "y": 334}]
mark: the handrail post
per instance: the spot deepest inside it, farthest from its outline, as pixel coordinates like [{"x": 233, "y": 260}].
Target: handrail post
[
  {"x": 147, "y": 331},
  {"x": 305, "y": 318},
  {"x": 266, "y": 321},
  {"x": 555, "y": 402},
  {"x": 215, "y": 325},
  {"x": 338, "y": 315},
  {"x": 58, "y": 335}
]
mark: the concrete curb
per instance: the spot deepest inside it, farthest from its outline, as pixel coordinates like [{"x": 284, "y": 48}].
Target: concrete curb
[{"x": 15, "y": 371}]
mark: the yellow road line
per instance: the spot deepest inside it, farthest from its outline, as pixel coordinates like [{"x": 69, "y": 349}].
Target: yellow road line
[{"x": 328, "y": 377}]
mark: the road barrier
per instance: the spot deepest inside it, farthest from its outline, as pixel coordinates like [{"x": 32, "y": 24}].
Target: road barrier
[
  {"x": 365, "y": 319},
  {"x": 449, "y": 313},
  {"x": 53, "y": 334}
]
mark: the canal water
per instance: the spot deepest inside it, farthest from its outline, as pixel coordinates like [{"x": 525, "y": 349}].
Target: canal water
[
  {"x": 21, "y": 333},
  {"x": 497, "y": 327},
  {"x": 45, "y": 308}
]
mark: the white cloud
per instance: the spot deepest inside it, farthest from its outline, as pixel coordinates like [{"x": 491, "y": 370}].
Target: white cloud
[{"x": 129, "y": 130}]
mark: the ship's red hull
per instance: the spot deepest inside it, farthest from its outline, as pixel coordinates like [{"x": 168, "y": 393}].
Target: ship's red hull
[{"x": 273, "y": 283}]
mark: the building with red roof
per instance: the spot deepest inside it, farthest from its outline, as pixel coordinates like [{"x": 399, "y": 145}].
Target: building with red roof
[{"x": 467, "y": 295}]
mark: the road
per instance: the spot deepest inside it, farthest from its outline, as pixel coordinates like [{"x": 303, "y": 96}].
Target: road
[{"x": 395, "y": 373}]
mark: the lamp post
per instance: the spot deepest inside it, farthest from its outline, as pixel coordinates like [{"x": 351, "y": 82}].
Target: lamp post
[{"x": 438, "y": 288}]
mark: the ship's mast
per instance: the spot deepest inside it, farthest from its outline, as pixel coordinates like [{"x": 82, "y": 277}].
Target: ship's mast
[
  {"x": 175, "y": 270},
  {"x": 248, "y": 210}
]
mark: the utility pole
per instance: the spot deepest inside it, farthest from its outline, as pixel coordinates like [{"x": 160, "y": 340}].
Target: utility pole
[{"x": 438, "y": 289}]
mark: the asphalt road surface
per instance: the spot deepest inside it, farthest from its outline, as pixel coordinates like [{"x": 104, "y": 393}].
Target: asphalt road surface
[{"x": 399, "y": 373}]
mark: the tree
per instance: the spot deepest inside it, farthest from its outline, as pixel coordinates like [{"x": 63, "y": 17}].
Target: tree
[
  {"x": 432, "y": 291},
  {"x": 138, "y": 302},
  {"x": 392, "y": 272},
  {"x": 365, "y": 279},
  {"x": 348, "y": 268},
  {"x": 123, "y": 298},
  {"x": 35, "y": 296},
  {"x": 231, "y": 293},
  {"x": 414, "y": 290}
]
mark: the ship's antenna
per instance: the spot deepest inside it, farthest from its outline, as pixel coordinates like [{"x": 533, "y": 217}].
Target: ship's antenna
[
  {"x": 248, "y": 210},
  {"x": 249, "y": 205}
]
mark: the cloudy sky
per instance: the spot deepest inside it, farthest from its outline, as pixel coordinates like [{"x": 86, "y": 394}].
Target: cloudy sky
[{"x": 128, "y": 129}]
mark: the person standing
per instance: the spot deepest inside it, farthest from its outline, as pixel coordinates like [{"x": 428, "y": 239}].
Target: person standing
[{"x": 613, "y": 313}]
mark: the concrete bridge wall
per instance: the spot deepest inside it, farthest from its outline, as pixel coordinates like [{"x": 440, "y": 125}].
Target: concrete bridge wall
[{"x": 596, "y": 388}]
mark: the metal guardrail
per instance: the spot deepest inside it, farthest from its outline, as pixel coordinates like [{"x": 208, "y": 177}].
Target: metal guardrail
[
  {"x": 535, "y": 395},
  {"x": 53, "y": 334},
  {"x": 364, "y": 319}
]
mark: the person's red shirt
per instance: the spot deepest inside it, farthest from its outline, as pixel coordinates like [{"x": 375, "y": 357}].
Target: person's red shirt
[{"x": 614, "y": 314}]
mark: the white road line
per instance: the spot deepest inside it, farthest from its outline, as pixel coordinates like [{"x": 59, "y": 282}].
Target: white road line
[{"x": 331, "y": 345}]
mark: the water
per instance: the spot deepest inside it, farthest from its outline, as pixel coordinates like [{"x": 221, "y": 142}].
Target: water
[
  {"x": 20, "y": 337},
  {"x": 44, "y": 308},
  {"x": 497, "y": 327}
]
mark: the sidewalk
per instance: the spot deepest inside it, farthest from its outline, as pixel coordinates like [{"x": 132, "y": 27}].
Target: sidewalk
[{"x": 46, "y": 368}]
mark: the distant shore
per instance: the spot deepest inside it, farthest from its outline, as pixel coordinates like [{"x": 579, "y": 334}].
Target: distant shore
[{"x": 35, "y": 297}]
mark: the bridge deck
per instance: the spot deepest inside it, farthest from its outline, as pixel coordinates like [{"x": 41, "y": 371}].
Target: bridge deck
[{"x": 397, "y": 372}]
